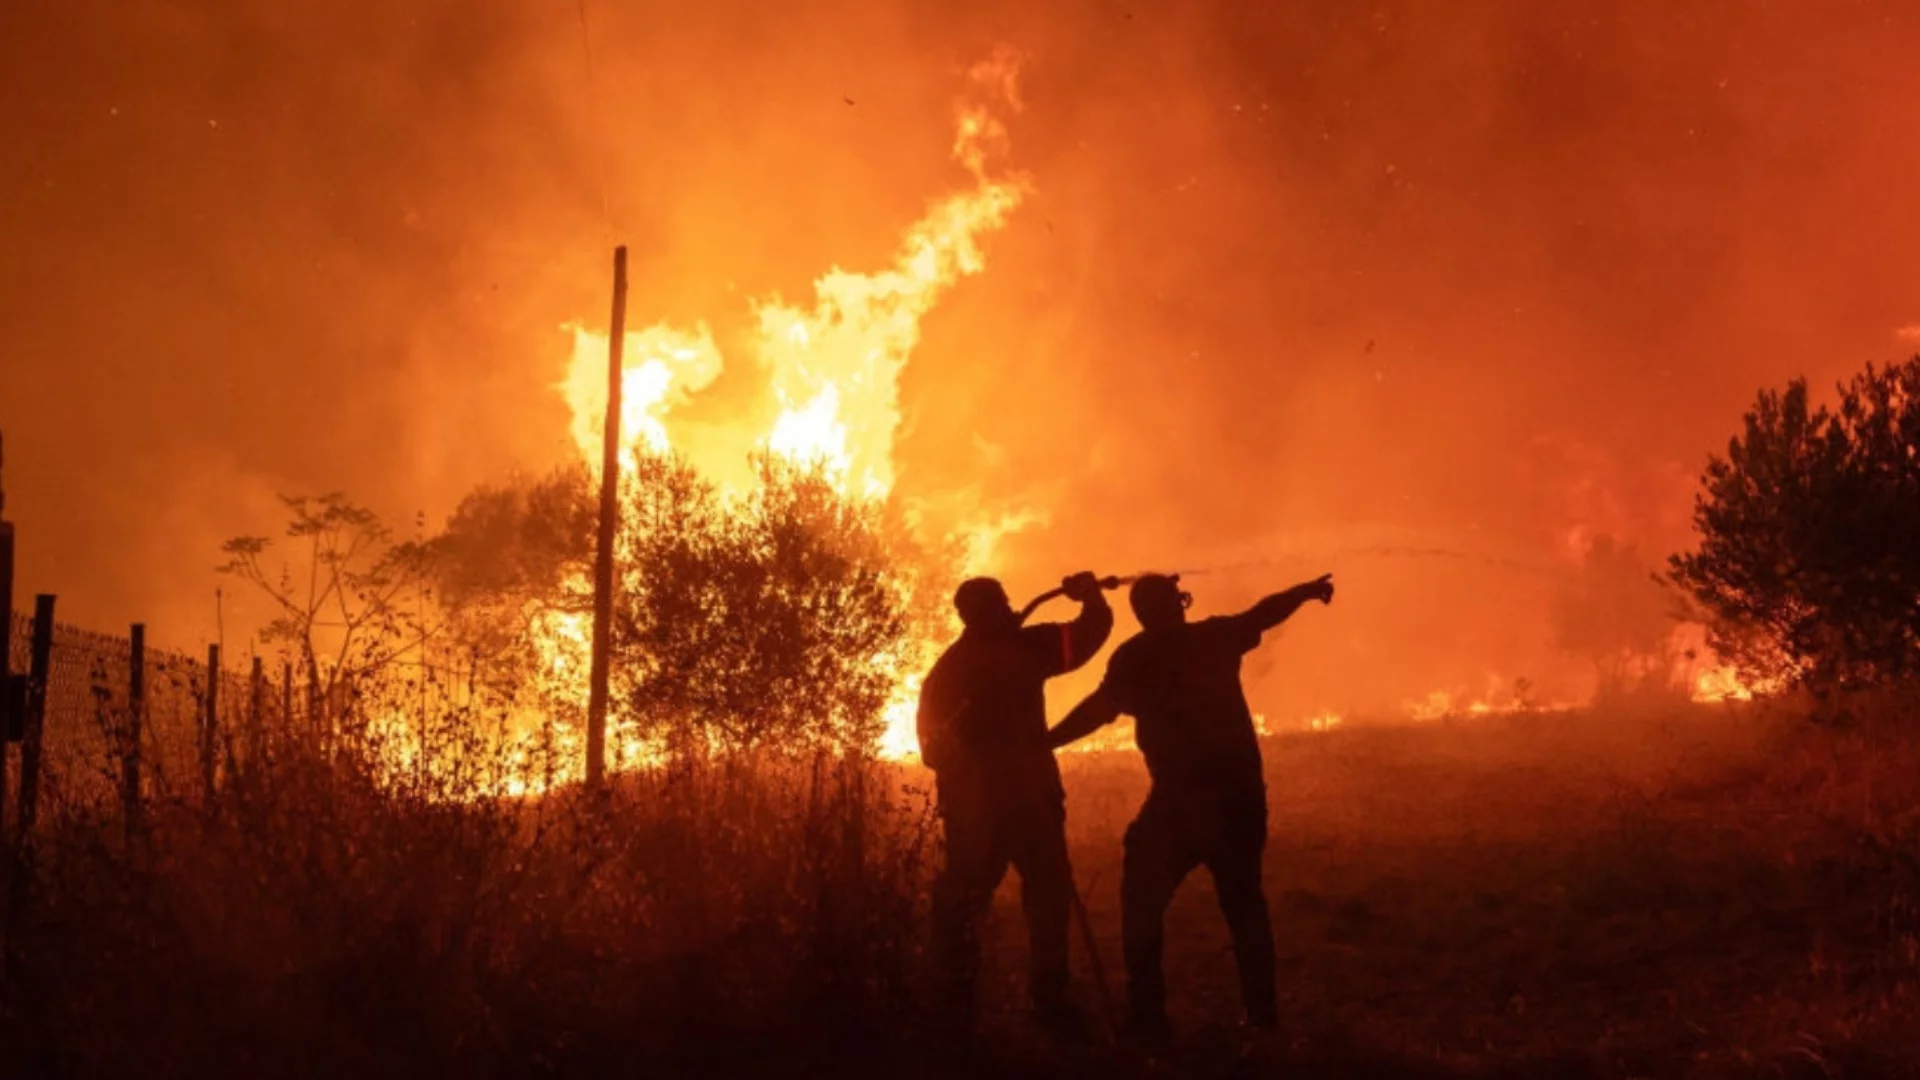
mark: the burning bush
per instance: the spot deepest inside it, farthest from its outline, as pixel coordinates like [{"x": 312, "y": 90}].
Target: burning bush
[
  {"x": 1809, "y": 557},
  {"x": 776, "y": 618},
  {"x": 360, "y": 892},
  {"x": 789, "y": 614}
]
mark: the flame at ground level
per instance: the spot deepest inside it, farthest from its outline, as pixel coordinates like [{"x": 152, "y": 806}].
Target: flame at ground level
[{"x": 544, "y": 753}]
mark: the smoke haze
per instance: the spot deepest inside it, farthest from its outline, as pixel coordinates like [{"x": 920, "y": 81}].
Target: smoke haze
[{"x": 1309, "y": 286}]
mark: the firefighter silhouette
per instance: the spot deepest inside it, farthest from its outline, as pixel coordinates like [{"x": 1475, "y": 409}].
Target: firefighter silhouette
[
  {"x": 1207, "y": 805},
  {"x": 983, "y": 731}
]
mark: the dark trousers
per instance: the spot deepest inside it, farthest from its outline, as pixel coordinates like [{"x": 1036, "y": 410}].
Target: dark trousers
[
  {"x": 1224, "y": 829},
  {"x": 986, "y": 831}
]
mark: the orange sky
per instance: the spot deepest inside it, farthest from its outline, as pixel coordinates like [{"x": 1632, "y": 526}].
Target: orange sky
[{"x": 1294, "y": 286}]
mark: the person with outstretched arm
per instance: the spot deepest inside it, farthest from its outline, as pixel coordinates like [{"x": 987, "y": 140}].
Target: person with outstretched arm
[
  {"x": 983, "y": 731},
  {"x": 1207, "y": 804}
]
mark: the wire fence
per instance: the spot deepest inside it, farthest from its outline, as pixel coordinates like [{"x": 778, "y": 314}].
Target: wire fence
[
  {"x": 116, "y": 741},
  {"x": 92, "y": 732}
]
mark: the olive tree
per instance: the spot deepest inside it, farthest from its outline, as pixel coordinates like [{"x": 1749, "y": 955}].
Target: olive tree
[{"x": 1808, "y": 564}]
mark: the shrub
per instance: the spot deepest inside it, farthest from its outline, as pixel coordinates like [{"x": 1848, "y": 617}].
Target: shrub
[
  {"x": 780, "y": 616},
  {"x": 1809, "y": 560}
]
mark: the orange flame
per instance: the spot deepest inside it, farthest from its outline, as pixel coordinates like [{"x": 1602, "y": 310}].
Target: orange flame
[
  {"x": 834, "y": 366},
  {"x": 1720, "y": 684}
]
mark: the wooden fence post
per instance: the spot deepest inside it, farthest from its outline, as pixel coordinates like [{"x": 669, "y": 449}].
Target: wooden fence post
[
  {"x": 256, "y": 724},
  {"x": 210, "y": 725},
  {"x": 136, "y": 724},
  {"x": 20, "y": 859},
  {"x": 7, "y": 699},
  {"x": 33, "y": 741}
]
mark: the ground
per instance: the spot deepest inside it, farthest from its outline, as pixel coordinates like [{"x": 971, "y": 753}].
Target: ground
[
  {"x": 1669, "y": 891},
  {"x": 1662, "y": 891}
]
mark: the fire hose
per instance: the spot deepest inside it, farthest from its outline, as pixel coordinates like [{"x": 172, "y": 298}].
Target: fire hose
[{"x": 1108, "y": 583}]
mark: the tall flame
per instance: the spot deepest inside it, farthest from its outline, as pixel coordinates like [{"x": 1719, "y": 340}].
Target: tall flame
[
  {"x": 834, "y": 365},
  {"x": 663, "y": 367}
]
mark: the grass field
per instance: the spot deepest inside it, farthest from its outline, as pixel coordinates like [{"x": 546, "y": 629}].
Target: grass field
[{"x": 1680, "y": 891}]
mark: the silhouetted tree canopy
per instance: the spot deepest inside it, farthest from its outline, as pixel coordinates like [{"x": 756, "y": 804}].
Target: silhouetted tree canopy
[
  {"x": 348, "y": 601},
  {"x": 1809, "y": 556},
  {"x": 773, "y": 618},
  {"x": 506, "y": 559},
  {"x": 783, "y": 615}
]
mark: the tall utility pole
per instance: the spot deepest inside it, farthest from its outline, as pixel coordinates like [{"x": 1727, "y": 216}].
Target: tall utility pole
[{"x": 609, "y": 515}]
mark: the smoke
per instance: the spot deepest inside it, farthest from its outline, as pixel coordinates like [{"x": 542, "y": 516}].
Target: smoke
[{"x": 1294, "y": 289}]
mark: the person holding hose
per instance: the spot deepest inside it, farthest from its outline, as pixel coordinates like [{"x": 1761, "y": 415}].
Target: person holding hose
[
  {"x": 1207, "y": 803},
  {"x": 982, "y": 725}
]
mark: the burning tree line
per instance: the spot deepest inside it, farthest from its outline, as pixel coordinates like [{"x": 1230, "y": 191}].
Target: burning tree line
[
  {"x": 792, "y": 614},
  {"x": 784, "y": 617},
  {"x": 772, "y": 589},
  {"x": 784, "y": 614},
  {"x": 322, "y": 868},
  {"x": 782, "y": 620}
]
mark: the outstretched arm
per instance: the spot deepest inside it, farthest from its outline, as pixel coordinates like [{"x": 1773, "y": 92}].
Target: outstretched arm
[
  {"x": 1276, "y": 609},
  {"x": 1094, "y": 712}
]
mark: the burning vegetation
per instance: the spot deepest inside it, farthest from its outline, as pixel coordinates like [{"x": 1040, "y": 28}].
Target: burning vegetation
[{"x": 1688, "y": 848}]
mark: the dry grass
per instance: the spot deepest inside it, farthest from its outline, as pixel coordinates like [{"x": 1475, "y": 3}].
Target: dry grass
[
  {"x": 1691, "y": 892},
  {"x": 314, "y": 924}
]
